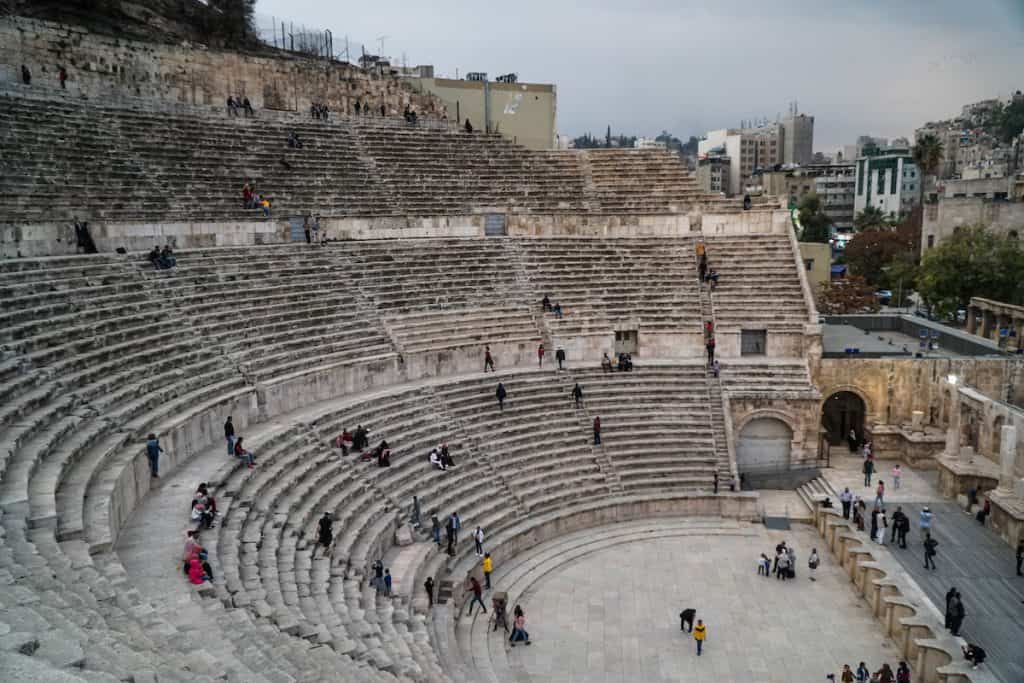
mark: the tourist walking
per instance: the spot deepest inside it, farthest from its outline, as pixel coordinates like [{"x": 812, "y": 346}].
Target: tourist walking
[
  {"x": 597, "y": 431},
  {"x": 929, "y": 550},
  {"x": 897, "y": 523},
  {"x": 540, "y": 356},
  {"x": 882, "y": 524},
  {"x": 229, "y": 434},
  {"x": 488, "y": 359},
  {"x": 710, "y": 346},
  {"x": 428, "y": 586},
  {"x": 851, "y": 441},
  {"x": 478, "y": 541},
  {"x": 880, "y": 493},
  {"x": 884, "y": 675},
  {"x": 577, "y": 394},
  {"x": 488, "y": 566},
  {"x": 153, "y": 452},
  {"x": 869, "y": 469},
  {"x": 414, "y": 515},
  {"x": 956, "y": 613},
  {"x": 846, "y": 498},
  {"x": 500, "y": 393},
  {"x": 847, "y": 675},
  {"x": 812, "y": 563},
  {"x": 560, "y": 356},
  {"x": 700, "y": 634},
  {"x": 324, "y": 534},
  {"x": 449, "y": 535},
  {"x": 862, "y": 673},
  {"x": 474, "y": 586},
  {"x": 378, "y": 576},
  {"x": 903, "y": 673},
  {"x": 387, "y": 582},
  {"x": 874, "y": 523},
  {"x": 925, "y": 520},
  {"x": 686, "y": 619},
  {"x": 897, "y": 473},
  {"x": 26, "y": 75},
  {"x": 435, "y": 530},
  {"x": 1020, "y": 556}
]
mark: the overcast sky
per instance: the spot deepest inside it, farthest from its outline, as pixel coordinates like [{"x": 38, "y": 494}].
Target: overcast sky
[{"x": 879, "y": 67}]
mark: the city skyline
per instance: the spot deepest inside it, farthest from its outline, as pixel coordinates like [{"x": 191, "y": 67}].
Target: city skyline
[{"x": 865, "y": 69}]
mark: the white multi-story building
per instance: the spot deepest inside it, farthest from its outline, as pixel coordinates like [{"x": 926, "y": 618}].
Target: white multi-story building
[
  {"x": 648, "y": 143},
  {"x": 888, "y": 180},
  {"x": 747, "y": 148}
]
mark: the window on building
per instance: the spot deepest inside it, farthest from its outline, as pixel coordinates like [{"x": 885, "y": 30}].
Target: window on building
[
  {"x": 931, "y": 241},
  {"x": 809, "y": 264}
]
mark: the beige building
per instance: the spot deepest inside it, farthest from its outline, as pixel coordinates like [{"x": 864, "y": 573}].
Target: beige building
[
  {"x": 713, "y": 173},
  {"x": 748, "y": 148},
  {"x": 523, "y": 112},
  {"x": 817, "y": 260}
]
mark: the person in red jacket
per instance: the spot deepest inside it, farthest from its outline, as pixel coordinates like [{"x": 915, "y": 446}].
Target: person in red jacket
[
  {"x": 540, "y": 356},
  {"x": 597, "y": 431}
]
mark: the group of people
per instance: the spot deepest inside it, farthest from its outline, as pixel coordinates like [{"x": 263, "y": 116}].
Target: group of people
[
  {"x": 863, "y": 675},
  {"x": 623, "y": 362},
  {"x": 784, "y": 565},
  {"x": 319, "y": 111},
  {"x": 251, "y": 199},
  {"x": 243, "y": 103},
  {"x": 440, "y": 458},
  {"x": 452, "y": 527},
  {"x": 410, "y": 115},
  {"x": 707, "y": 274},
  {"x": 162, "y": 259},
  {"x": 699, "y": 632},
  {"x": 235, "y": 447},
  {"x": 548, "y": 307},
  {"x": 195, "y": 559},
  {"x": 365, "y": 109},
  {"x": 359, "y": 441}
]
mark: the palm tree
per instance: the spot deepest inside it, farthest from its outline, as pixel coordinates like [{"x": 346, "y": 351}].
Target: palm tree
[
  {"x": 870, "y": 218},
  {"x": 928, "y": 154}
]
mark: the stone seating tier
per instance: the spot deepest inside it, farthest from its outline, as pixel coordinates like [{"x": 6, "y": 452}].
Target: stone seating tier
[{"x": 120, "y": 164}]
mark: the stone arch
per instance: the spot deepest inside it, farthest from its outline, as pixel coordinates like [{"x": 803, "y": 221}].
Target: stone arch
[
  {"x": 870, "y": 409},
  {"x": 764, "y": 442},
  {"x": 843, "y": 408}
]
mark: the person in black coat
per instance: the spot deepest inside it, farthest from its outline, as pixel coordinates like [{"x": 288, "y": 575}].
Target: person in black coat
[{"x": 500, "y": 393}]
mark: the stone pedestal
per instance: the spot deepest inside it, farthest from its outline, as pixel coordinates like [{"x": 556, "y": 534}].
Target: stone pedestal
[{"x": 916, "y": 421}]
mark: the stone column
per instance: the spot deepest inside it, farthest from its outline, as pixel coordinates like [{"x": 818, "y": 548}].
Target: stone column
[
  {"x": 988, "y": 323},
  {"x": 972, "y": 319},
  {"x": 953, "y": 428},
  {"x": 1007, "y": 457}
]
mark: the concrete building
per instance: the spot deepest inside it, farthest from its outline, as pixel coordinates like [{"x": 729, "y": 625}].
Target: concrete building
[
  {"x": 523, "y": 112},
  {"x": 834, "y": 183},
  {"x": 747, "y": 148},
  {"x": 798, "y": 139},
  {"x": 888, "y": 180},
  {"x": 713, "y": 173},
  {"x": 648, "y": 143}
]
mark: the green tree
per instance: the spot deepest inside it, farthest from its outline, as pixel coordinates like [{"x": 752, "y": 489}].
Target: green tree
[
  {"x": 1009, "y": 120},
  {"x": 870, "y": 218},
  {"x": 815, "y": 222},
  {"x": 973, "y": 262},
  {"x": 927, "y": 154}
]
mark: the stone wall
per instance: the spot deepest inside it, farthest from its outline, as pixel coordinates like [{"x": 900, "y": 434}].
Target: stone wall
[
  {"x": 105, "y": 67},
  {"x": 54, "y": 239},
  {"x": 942, "y": 219}
]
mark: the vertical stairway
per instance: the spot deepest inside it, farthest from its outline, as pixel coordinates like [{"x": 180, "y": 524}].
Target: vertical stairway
[{"x": 714, "y": 388}]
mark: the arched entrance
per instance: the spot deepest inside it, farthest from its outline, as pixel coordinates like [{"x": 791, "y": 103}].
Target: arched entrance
[
  {"x": 841, "y": 412},
  {"x": 763, "y": 445}
]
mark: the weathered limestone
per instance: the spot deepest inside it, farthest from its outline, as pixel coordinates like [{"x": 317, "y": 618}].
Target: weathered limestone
[
  {"x": 1007, "y": 458},
  {"x": 953, "y": 429}
]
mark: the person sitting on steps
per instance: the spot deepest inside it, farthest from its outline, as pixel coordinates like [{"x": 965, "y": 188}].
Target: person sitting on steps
[{"x": 247, "y": 456}]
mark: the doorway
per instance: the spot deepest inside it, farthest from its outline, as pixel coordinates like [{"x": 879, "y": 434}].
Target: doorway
[{"x": 841, "y": 412}]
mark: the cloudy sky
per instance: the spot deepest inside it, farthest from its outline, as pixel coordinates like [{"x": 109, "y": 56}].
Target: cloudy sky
[{"x": 879, "y": 67}]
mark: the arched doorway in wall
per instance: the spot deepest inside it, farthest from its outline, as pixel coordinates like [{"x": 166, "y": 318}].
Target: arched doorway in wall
[
  {"x": 763, "y": 445},
  {"x": 841, "y": 412}
]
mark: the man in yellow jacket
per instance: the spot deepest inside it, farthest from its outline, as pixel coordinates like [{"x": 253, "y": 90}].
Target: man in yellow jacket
[
  {"x": 700, "y": 632},
  {"x": 488, "y": 566}
]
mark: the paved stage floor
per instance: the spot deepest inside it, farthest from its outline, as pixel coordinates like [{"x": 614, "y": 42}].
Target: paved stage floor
[{"x": 613, "y": 615}]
